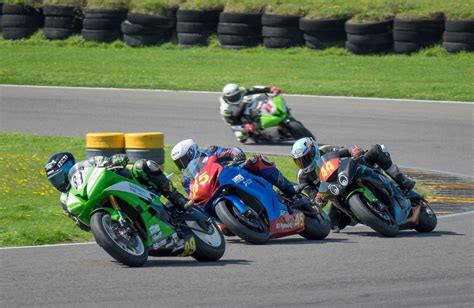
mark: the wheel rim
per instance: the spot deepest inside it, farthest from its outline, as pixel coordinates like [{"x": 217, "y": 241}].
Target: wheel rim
[
  {"x": 132, "y": 245},
  {"x": 213, "y": 240},
  {"x": 254, "y": 224}
]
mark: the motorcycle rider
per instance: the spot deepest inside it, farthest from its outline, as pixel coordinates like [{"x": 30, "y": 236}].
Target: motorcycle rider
[
  {"x": 233, "y": 103},
  {"x": 147, "y": 172},
  {"x": 187, "y": 150},
  {"x": 306, "y": 152}
]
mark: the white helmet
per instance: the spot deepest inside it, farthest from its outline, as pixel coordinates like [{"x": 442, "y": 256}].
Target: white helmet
[
  {"x": 184, "y": 152},
  {"x": 232, "y": 93}
]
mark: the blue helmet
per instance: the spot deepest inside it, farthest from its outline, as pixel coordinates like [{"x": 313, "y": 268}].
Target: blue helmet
[
  {"x": 57, "y": 168},
  {"x": 305, "y": 153}
]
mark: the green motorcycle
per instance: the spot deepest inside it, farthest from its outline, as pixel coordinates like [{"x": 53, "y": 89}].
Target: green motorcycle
[
  {"x": 129, "y": 221},
  {"x": 275, "y": 122}
]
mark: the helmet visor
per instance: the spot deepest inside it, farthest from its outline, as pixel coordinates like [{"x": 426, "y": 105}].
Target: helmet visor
[
  {"x": 182, "y": 162},
  {"x": 234, "y": 98},
  {"x": 305, "y": 160},
  {"x": 59, "y": 181}
]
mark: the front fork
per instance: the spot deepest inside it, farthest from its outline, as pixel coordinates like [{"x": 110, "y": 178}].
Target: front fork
[{"x": 116, "y": 207}]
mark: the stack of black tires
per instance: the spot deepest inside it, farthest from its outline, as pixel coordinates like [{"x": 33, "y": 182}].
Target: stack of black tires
[
  {"x": 20, "y": 21},
  {"x": 281, "y": 31},
  {"x": 103, "y": 25},
  {"x": 61, "y": 22},
  {"x": 459, "y": 35},
  {"x": 239, "y": 30},
  {"x": 146, "y": 29},
  {"x": 194, "y": 27},
  {"x": 368, "y": 38},
  {"x": 1, "y": 5},
  {"x": 410, "y": 35},
  {"x": 323, "y": 33}
]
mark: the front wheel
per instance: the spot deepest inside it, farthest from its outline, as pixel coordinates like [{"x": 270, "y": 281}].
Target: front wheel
[
  {"x": 210, "y": 243},
  {"x": 427, "y": 220},
  {"x": 254, "y": 231},
  {"x": 370, "y": 219},
  {"x": 298, "y": 130},
  {"x": 316, "y": 227},
  {"x": 119, "y": 242}
]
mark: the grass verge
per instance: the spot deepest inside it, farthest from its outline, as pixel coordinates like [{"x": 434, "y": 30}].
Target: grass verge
[{"x": 429, "y": 74}]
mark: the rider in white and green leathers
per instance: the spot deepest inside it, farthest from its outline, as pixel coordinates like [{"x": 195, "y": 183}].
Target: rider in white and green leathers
[{"x": 233, "y": 103}]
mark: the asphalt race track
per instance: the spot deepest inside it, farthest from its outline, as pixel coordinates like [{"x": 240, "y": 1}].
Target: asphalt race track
[
  {"x": 353, "y": 268},
  {"x": 437, "y": 136}
]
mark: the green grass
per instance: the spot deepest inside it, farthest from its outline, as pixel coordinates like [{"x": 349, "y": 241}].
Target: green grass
[
  {"x": 430, "y": 74},
  {"x": 30, "y": 213}
]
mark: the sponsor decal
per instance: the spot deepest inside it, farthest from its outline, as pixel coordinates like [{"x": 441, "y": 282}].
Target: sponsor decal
[
  {"x": 238, "y": 178},
  {"x": 134, "y": 189},
  {"x": 290, "y": 221},
  {"x": 247, "y": 182}
]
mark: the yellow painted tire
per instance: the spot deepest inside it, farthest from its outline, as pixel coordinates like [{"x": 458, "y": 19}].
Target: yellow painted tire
[
  {"x": 146, "y": 141},
  {"x": 105, "y": 141}
]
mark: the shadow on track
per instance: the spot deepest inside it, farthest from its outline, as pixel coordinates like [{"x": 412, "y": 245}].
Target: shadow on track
[
  {"x": 406, "y": 234},
  {"x": 193, "y": 263},
  {"x": 292, "y": 241}
]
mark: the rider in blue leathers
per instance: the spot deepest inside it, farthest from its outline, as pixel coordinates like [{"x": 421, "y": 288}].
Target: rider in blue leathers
[{"x": 187, "y": 150}]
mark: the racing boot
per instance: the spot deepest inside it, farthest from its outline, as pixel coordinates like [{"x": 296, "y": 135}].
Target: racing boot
[
  {"x": 401, "y": 179},
  {"x": 148, "y": 172}
]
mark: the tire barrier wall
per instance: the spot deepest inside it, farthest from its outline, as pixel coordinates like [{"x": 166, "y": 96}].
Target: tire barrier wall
[
  {"x": 323, "y": 33},
  {"x": 238, "y": 30},
  {"x": 458, "y": 35},
  {"x": 280, "y": 31},
  {"x": 368, "y": 38},
  {"x": 103, "y": 25},
  {"x": 20, "y": 21},
  {"x": 61, "y": 22},
  {"x": 145, "y": 146},
  {"x": 415, "y": 34},
  {"x": 145, "y": 30},
  {"x": 104, "y": 144},
  {"x": 195, "y": 27}
]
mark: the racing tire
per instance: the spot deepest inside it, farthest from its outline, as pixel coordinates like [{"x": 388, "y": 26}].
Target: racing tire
[
  {"x": 427, "y": 220},
  {"x": 23, "y": 21},
  {"x": 459, "y": 37},
  {"x": 369, "y": 28},
  {"x": 196, "y": 27},
  {"x": 19, "y": 9},
  {"x": 316, "y": 228},
  {"x": 62, "y": 22},
  {"x": 192, "y": 39},
  {"x": 298, "y": 130},
  {"x": 288, "y": 32},
  {"x": 209, "y": 248},
  {"x": 101, "y": 24},
  {"x": 100, "y": 35},
  {"x": 450, "y": 47},
  {"x": 233, "y": 223},
  {"x": 370, "y": 39},
  {"x": 15, "y": 33},
  {"x": 239, "y": 40},
  {"x": 99, "y": 225},
  {"x": 281, "y": 42},
  {"x": 238, "y": 29},
  {"x": 369, "y": 219}
]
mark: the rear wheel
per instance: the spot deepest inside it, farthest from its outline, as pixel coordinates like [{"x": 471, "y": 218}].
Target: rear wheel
[
  {"x": 298, "y": 130},
  {"x": 316, "y": 228},
  {"x": 252, "y": 230},
  {"x": 368, "y": 217},
  {"x": 119, "y": 242},
  {"x": 427, "y": 220},
  {"x": 210, "y": 244}
]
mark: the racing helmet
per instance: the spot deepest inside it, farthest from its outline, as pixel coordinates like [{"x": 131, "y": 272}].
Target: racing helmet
[
  {"x": 232, "y": 93},
  {"x": 57, "y": 168},
  {"x": 184, "y": 152},
  {"x": 305, "y": 153}
]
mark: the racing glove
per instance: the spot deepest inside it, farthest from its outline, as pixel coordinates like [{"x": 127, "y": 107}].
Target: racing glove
[
  {"x": 119, "y": 160},
  {"x": 275, "y": 90},
  {"x": 249, "y": 127},
  {"x": 356, "y": 151}
]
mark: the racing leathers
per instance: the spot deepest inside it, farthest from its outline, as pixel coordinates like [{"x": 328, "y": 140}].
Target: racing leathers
[
  {"x": 148, "y": 173},
  {"x": 257, "y": 164},
  {"x": 377, "y": 155},
  {"x": 241, "y": 120}
]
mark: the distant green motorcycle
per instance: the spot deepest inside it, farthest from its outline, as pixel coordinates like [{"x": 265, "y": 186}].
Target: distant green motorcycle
[
  {"x": 275, "y": 122},
  {"x": 130, "y": 222}
]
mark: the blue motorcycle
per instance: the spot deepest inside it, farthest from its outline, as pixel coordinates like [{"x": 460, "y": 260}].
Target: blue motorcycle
[
  {"x": 368, "y": 196},
  {"x": 249, "y": 207}
]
